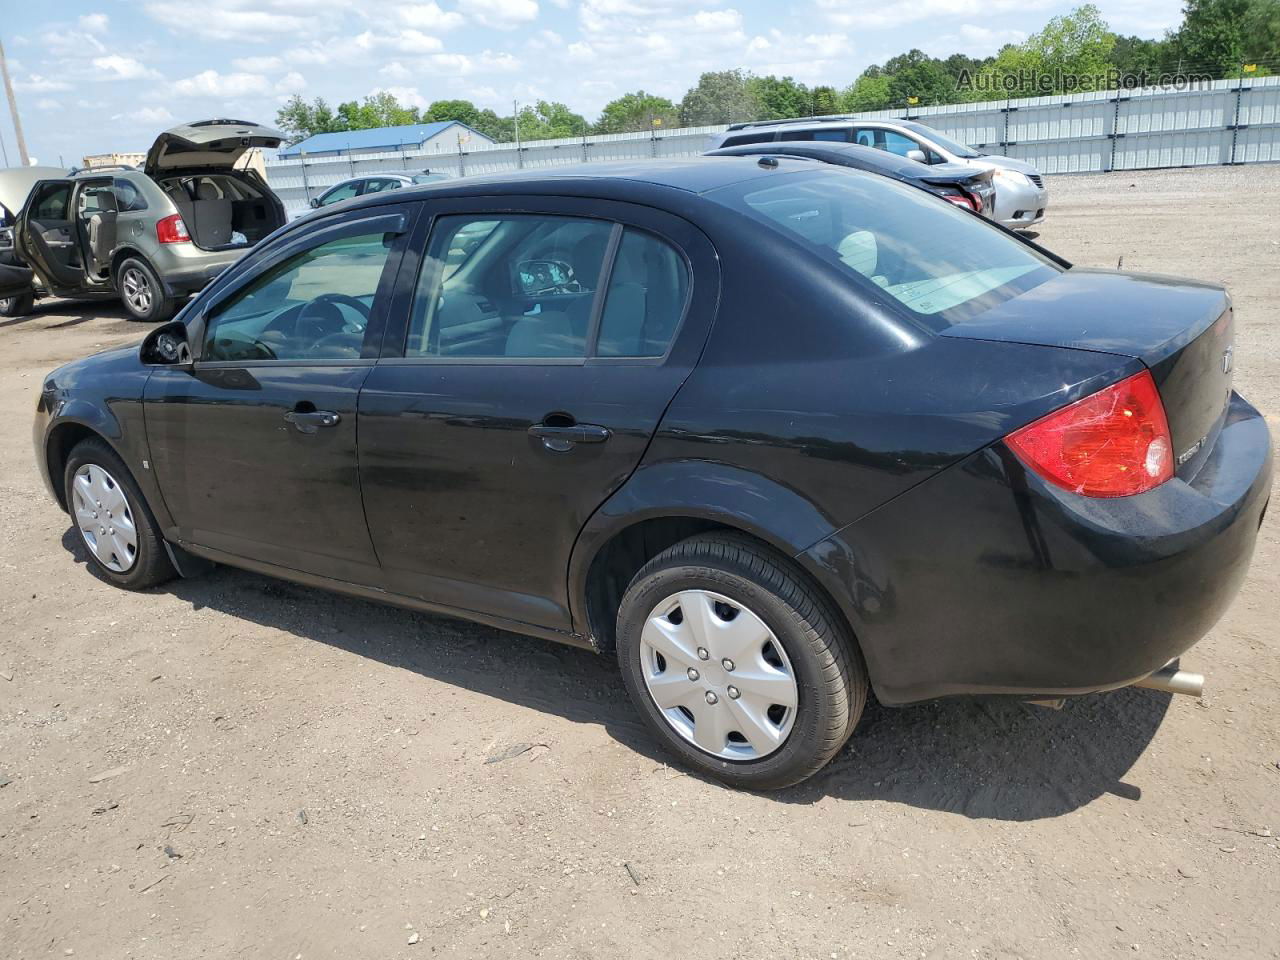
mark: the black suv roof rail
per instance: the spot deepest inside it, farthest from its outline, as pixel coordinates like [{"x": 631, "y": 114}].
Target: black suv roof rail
[{"x": 823, "y": 119}]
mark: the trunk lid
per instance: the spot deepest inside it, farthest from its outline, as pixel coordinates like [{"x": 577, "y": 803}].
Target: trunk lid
[
  {"x": 1181, "y": 329},
  {"x": 208, "y": 144}
]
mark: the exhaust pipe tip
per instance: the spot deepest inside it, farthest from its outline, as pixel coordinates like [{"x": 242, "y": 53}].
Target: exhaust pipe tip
[{"x": 1170, "y": 679}]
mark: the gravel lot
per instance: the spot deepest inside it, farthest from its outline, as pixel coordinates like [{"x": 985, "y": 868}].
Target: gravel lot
[{"x": 292, "y": 774}]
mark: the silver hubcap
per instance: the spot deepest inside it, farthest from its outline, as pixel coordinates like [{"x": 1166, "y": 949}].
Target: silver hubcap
[
  {"x": 137, "y": 289},
  {"x": 104, "y": 517},
  {"x": 718, "y": 675}
]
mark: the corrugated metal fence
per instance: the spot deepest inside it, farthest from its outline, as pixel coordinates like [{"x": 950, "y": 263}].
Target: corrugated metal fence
[{"x": 1222, "y": 122}]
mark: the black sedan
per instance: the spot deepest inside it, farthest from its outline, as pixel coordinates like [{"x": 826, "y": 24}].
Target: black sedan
[
  {"x": 963, "y": 186},
  {"x": 773, "y": 433}
]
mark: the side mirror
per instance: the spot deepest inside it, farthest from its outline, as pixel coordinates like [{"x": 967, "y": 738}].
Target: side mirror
[
  {"x": 315, "y": 203},
  {"x": 538, "y": 277},
  {"x": 917, "y": 155},
  {"x": 167, "y": 346}
]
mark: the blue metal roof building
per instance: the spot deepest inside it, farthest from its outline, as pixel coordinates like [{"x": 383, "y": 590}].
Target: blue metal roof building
[{"x": 382, "y": 139}]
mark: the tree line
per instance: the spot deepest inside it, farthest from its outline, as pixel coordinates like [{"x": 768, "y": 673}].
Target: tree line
[{"x": 1073, "y": 52}]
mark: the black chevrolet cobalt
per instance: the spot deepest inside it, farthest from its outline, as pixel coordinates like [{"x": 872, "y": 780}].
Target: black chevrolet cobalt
[{"x": 772, "y": 433}]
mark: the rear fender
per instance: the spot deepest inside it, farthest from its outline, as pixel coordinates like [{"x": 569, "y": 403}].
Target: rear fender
[{"x": 701, "y": 490}]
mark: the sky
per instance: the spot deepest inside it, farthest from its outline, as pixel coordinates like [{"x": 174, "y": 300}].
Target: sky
[{"x": 107, "y": 75}]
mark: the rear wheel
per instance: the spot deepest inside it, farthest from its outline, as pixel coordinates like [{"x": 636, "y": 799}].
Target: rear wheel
[
  {"x": 18, "y": 306},
  {"x": 141, "y": 291},
  {"x": 113, "y": 520},
  {"x": 737, "y": 664}
]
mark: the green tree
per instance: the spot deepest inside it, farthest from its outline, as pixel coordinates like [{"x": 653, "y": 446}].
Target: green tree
[
  {"x": 1216, "y": 36},
  {"x": 1064, "y": 57},
  {"x": 869, "y": 92},
  {"x": 916, "y": 75},
  {"x": 719, "y": 97},
  {"x": 779, "y": 98},
  {"x": 550, "y": 121},
  {"x": 378, "y": 110},
  {"x": 1135, "y": 56},
  {"x": 824, "y": 100},
  {"x": 485, "y": 121},
  {"x": 633, "y": 112},
  {"x": 300, "y": 119}
]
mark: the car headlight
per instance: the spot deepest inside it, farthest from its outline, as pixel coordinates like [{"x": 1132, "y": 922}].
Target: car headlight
[{"x": 1012, "y": 177}]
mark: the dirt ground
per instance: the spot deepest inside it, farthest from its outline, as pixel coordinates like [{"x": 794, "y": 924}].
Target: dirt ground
[{"x": 290, "y": 774}]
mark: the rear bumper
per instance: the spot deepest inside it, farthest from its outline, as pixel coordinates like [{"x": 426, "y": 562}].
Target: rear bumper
[
  {"x": 186, "y": 269},
  {"x": 986, "y": 580}
]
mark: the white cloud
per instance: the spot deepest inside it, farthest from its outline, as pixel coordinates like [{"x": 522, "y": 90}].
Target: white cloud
[
  {"x": 403, "y": 41},
  {"x": 973, "y": 41},
  {"x": 48, "y": 103},
  {"x": 500, "y": 14},
  {"x": 291, "y": 83},
  {"x": 35, "y": 83},
  {"x": 266, "y": 64},
  {"x": 408, "y": 96},
  {"x": 210, "y": 83},
  {"x": 94, "y": 22},
  {"x": 146, "y": 116},
  {"x": 117, "y": 67},
  {"x": 883, "y": 14},
  {"x": 249, "y": 21},
  {"x": 395, "y": 70},
  {"x": 428, "y": 16}
]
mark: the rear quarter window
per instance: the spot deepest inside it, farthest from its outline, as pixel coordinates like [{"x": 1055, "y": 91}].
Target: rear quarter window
[{"x": 941, "y": 264}]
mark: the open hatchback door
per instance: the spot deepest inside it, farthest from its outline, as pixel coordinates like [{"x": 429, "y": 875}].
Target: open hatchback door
[{"x": 208, "y": 145}]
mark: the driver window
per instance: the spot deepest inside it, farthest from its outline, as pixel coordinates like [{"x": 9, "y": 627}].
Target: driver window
[
  {"x": 513, "y": 287},
  {"x": 313, "y": 306}
]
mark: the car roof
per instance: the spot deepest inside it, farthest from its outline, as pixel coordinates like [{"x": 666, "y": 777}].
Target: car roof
[
  {"x": 829, "y": 152},
  {"x": 620, "y": 180},
  {"x": 815, "y": 123}
]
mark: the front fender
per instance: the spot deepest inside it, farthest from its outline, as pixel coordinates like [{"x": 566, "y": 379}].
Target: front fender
[{"x": 695, "y": 489}]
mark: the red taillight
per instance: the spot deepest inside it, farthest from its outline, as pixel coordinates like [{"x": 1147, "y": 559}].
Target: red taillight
[
  {"x": 1114, "y": 443},
  {"x": 172, "y": 230},
  {"x": 962, "y": 200}
]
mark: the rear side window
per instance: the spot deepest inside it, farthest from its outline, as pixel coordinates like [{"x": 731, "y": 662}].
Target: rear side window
[
  {"x": 828, "y": 134},
  {"x": 128, "y": 197},
  {"x": 740, "y": 139},
  {"x": 646, "y": 297},
  {"x": 940, "y": 263}
]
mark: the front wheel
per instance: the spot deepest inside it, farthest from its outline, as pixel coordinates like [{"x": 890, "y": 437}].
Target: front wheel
[
  {"x": 112, "y": 518},
  {"x": 142, "y": 293},
  {"x": 737, "y": 664}
]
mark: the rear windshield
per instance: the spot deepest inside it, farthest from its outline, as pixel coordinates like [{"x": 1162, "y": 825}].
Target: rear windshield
[{"x": 943, "y": 264}]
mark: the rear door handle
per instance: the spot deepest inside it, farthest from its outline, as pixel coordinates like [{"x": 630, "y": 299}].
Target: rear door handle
[
  {"x": 311, "y": 421},
  {"x": 562, "y": 438}
]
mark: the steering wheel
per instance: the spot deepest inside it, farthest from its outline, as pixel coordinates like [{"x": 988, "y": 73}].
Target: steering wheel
[{"x": 327, "y": 299}]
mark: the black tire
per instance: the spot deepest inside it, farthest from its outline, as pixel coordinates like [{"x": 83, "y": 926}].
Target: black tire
[
  {"x": 828, "y": 667},
  {"x": 154, "y": 304},
  {"x": 18, "y": 306},
  {"x": 151, "y": 564}
]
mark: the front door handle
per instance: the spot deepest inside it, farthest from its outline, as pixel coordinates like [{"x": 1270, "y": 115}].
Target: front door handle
[
  {"x": 562, "y": 438},
  {"x": 312, "y": 420}
]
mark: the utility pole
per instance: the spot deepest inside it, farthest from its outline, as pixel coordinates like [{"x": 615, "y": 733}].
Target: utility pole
[
  {"x": 515, "y": 116},
  {"x": 13, "y": 112}
]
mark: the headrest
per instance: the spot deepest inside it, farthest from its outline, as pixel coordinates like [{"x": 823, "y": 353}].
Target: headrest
[{"x": 207, "y": 191}]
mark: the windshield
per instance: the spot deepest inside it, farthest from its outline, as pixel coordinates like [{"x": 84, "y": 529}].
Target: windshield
[
  {"x": 945, "y": 142},
  {"x": 943, "y": 264}
]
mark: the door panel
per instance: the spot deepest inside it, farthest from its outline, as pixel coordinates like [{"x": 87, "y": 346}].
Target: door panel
[
  {"x": 255, "y": 448},
  {"x": 238, "y": 477},
  {"x": 46, "y": 236},
  {"x": 479, "y": 471}
]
